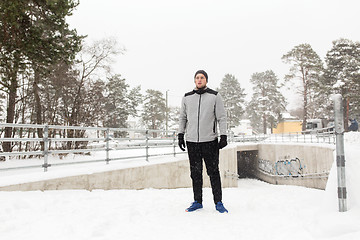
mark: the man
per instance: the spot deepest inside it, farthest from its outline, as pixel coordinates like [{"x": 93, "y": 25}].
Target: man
[
  {"x": 201, "y": 111},
  {"x": 354, "y": 126}
]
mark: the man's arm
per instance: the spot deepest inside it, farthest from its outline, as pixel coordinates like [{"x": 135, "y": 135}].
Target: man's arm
[
  {"x": 182, "y": 125},
  {"x": 220, "y": 114},
  {"x": 182, "y": 117}
]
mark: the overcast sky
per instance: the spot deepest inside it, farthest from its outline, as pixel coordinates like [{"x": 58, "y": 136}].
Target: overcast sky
[{"x": 167, "y": 41}]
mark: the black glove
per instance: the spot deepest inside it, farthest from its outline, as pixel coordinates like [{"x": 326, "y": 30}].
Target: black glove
[
  {"x": 223, "y": 141},
  {"x": 181, "y": 141}
]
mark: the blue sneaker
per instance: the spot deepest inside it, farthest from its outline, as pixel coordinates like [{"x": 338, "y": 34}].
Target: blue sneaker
[
  {"x": 194, "y": 206},
  {"x": 220, "y": 207}
]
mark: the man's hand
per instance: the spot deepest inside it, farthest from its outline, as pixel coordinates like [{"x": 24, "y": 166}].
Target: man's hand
[
  {"x": 223, "y": 141},
  {"x": 181, "y": 141}
]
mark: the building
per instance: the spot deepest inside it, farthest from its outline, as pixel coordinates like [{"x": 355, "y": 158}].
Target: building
[{"x": 289, "y": 125}]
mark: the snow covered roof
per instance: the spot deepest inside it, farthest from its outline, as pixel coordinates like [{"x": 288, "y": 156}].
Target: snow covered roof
[{"x": 287, "y": 116}]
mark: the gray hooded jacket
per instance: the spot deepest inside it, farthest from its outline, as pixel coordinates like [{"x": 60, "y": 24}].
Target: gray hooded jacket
[{"x": 201, "y": 112}]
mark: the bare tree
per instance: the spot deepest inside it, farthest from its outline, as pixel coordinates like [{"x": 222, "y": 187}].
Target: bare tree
[{"x": 94, "y": 61}]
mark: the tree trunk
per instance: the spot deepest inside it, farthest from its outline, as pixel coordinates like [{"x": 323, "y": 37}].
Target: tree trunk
[
  {"x": 10, "y": 112},
  {"x": 303, "y": 128},
  {"x": 346, "y": 113},
  {"x": 264, "y": 124},
  {"x": 305, "y": 103},
  {"x": 38, "y": 109}
]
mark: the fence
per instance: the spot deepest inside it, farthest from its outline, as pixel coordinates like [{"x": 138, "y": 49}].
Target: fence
[
  {"x": 323, "y": 135},
  {"x": 62, "y": 140}
]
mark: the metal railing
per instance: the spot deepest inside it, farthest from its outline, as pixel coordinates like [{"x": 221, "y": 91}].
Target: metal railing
[
  {"x": 106, "y": 140},
  {"x": 323, "y": 135}
]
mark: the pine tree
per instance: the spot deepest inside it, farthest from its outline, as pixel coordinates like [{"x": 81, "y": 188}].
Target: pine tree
[
  {"x": 93, "y": 110},
  {"x": 120, "y": 103},
  {"x": 233, "y": 96},
  {"x": 135, "y": 98},
  {"x": 174, "y": 113},
  {"x": 117, "y": 104},
  {"x": 307, "y": 67},
  {"x": 2, "y": 104},
  {"x": 33, "y": 34},
  {"x": 267, "y": 103},
  {"x": 154, "y": 110},
  {"x": 321, "y": 106},
  {"x": 58, "y": 94},
  {"x": 342, "y": 75}
]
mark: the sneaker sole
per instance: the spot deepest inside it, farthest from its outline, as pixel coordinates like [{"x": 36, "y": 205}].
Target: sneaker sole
[{"x": 193, "y": 210}]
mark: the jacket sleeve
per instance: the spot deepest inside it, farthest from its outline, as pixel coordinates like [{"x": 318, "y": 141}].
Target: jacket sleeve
[
  {"x": 182, "y": 117},
  {"x": 220, "y": 114}
]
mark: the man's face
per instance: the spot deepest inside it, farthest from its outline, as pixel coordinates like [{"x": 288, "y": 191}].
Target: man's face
[{"x": 200, "y": 81}]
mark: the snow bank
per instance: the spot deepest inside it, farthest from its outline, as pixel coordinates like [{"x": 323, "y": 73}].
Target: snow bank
[
  {"x": 257, "y": 210},
  {"x": 352, "y": 170},
  {"x": 344, "y": 225}
]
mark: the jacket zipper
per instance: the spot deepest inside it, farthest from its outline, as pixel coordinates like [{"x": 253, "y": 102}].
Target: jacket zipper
[{"x": 198, "y": 127}]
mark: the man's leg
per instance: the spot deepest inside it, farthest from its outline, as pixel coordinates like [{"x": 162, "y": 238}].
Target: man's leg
[
  {"x": 196, "y": 168},
  {"x": 210, "y": 153}
]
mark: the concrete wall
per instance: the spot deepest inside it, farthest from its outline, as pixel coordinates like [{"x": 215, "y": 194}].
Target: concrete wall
[
  {"x": 316, "y": 162},
  {"x": 174, "y": 174}
]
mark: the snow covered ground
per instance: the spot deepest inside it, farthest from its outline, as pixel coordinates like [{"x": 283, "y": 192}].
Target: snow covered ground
[{"x": 257, "y": 210}]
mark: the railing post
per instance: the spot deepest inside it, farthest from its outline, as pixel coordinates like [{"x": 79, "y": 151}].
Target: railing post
[
  {"x": 304, "y": 133},
  {"x": 232, "y": 137},
  {"x": 174, "y": 144},
  {"x": 147, "y": 145},
  {"x": 317, "y": 136},
  {"x": 107, "y": 139},
  {"x": 46, "y": 147},
  {"x": 340, "y": 155},
  {"x": 297, "y": 136}
]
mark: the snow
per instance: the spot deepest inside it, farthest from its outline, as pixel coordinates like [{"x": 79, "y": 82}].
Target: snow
[
  {"x": 339, "y": 84},
  {"x": 257, "y": 210}
]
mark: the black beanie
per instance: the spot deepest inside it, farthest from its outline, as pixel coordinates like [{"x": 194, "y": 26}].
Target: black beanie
[{"x": 203, "y": 73}]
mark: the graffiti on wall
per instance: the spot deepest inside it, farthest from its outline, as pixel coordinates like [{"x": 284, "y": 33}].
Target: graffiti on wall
[
  {"x": 290, "y": 167},
  {"x": 266, "y": 166},
  {"x": 285, "y": 167}
]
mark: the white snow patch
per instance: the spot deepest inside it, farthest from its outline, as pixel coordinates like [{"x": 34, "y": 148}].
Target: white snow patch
[{"x": 257, "y": 210}]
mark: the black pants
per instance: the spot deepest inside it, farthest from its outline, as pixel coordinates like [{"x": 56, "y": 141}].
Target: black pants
[{"x": 209, "y": 151}]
